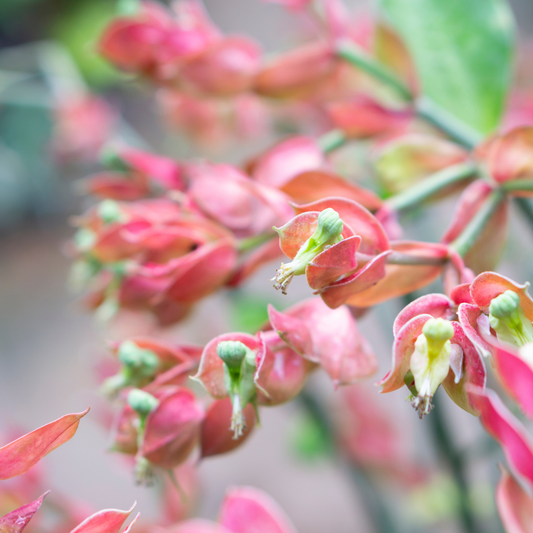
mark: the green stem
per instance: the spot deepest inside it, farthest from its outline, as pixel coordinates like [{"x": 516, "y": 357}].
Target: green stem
[
  {"x": 518, "y": 185},
  {"x": 454, "y": 128},
  {"x": 423, "y": 107},
  {"x": 447, "y": 450},
  {"x": 431, "y": 185},
  {"x": 359, "y": 58},
  {"x": 373, "y": 500},
  {"x": 332, "y": 140},
  {"x": 475, "y": 227},
  {"x": 254, "y": 242}
]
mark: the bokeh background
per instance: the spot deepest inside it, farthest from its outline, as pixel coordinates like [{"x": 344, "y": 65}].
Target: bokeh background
[{"x": 50, "y": 349}]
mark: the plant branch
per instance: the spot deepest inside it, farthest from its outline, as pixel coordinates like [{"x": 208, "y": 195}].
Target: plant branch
[
  {"x": 475, "y": 227},
  {"x": 253, "y": 242},
  {"x": 431, "y": 185},
  {"x": 524, "y": 204},
  {"x": 332, "y": 140}
]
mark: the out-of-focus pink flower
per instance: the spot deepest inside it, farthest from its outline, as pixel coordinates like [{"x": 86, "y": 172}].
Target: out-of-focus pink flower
[
  {"x": 82, "y": 125},
  {"x": 363, "y": 117},
  {"x": 329, "y": 337},
  {"x": 17, "y": 520},
  {"x": 19, "y": 456},
  {"x": 106, "y": 521},
  {"x": 515, "y": 505},
  {"x": 503, "y": 426},
  {"x": 430, "y": 350},
  {"x": 509, "y": 157},
  {"x": 225, "y": 68},
  {"x": 228, "y": 196},
  {"x": 286, "y": 160}
]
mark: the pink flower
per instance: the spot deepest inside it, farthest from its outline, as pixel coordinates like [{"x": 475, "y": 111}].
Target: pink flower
[
  {"x": 329, "y": 337},
  {"x": 515, "y": 505},
  {"x": 17, "y": 457},
  {"x": 430, "y": 350},
  {"x": 17, "y": 520}
]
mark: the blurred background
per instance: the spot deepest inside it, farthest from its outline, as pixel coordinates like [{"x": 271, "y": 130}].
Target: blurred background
[{"x": 50, "y": 349}]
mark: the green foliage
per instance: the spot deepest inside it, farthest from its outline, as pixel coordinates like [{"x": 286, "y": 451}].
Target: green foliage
[{"x": 462, "y": 52}]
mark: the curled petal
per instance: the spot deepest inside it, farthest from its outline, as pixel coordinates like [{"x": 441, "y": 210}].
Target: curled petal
[
  {"x": 461, "y": 294},
  {"x": 360, "y": 220},
  {"x": 334, "y": 263},
  {"x": 173, "y": 428},
  {"x": 515, "y": 505},
  {"x": 403, "y": 348},
  {"x": 436, "y": 305},
  {"x": 315, "y": 185},
  {"x": 211, "y": 371},
  {"x": 472, "y": 319},
  {"x": 472, "y": 371},
  {"x": 249, "y": 510},
  {"x": 294, "y": 234},
  {"x": 106, "y": 521},
  {"x": 489, "y": 285},
  {"x": 286, "y": 160},
  {"x": 17, "y": 520},
  {"x": 281, "y": 372},
  {"x": 215, "y": 436},
  {"x": 19, "y": 456},
  {"x": 403, "y": 279},
  {"x": 503, "y": 426}
]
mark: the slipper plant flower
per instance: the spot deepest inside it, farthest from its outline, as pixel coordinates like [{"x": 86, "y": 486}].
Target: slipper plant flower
[
  {"x": 256, "y": 370},
  {"x": 346, "y": 256},
  {"x": 17, "y": 520},
  {"x": 17, "y": 457},
  {"x": 429, "y": 352}
]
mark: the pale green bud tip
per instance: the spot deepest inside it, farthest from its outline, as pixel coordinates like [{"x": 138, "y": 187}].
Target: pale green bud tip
[
  {"x": 109, "y": 211},
  {"x": 329, "y": 224},
  {"x": 142, "y": 402},
  {"x": 232, "y": 353},
  {"x": 438, "y": 329},
  {"x": 504, "y": 305},
  {"x": 132, "y": 356}
]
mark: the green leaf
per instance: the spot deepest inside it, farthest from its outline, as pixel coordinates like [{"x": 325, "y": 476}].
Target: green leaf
[{"x": 462, "y": 50}]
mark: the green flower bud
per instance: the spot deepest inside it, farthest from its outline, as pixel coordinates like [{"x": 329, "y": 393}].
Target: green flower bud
[
  {"x": 138, "y": 360},
  {"x": 109, "y": 157},
  {"x": 327, "y": 233},
  {"x": 438, "y": 330},
  {"x": 232, "y": 353},
  {"x": 142, "y": 402},
  {"x": 508, "y": 320},
  {"x": 109, "y": 211},
  {"x": 84, "y": 239}
]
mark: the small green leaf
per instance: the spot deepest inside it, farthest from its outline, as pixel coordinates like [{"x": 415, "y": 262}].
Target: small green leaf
[{"x": 462, "y": 51}]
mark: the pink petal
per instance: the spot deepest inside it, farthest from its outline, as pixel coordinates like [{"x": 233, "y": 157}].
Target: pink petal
[
  {"x": 115, "y": 185},
  {"x": 436, "y": 305},
  {"x": 339, "y": 260},
  {"x": 473, "y": 372},
  {"x": 19, "y": 456},
  {"x": 211, "y": 371},
  {"x": 196, "y": 526},
  {"x": 249, "y": 510},
  {"x": 216, "y": 438},
  {"x": 281, "y": 372},
  {"x": 359, "y": 219},
  {"x": 461, "y": 294},
  {"x": 295, "y": 232},
  {"x": 489, "y": 285},
  {"x": 515, "y": 505},
  {"x": 361, "y": 282},
  {"x": 173, "y": 429},
  {"x": 17, "y": 520},
  {"x": 106, "y": 521},
  {"x": 503, "y": 426},
  {"x": 402, "y": 279},
  {"x": 314, "y": 185},
  {"x": 469, "y": 316},
  {"x": 403, "y": 348},
  {"x": 516, "y": 376}
]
